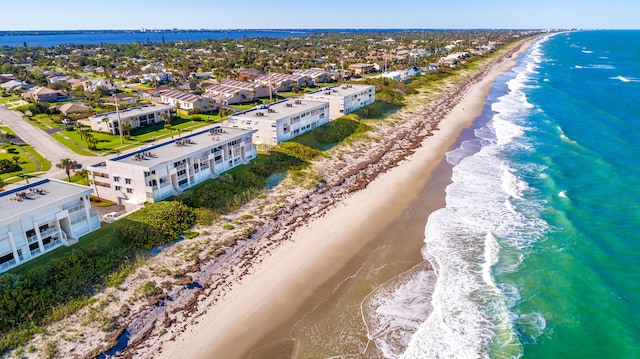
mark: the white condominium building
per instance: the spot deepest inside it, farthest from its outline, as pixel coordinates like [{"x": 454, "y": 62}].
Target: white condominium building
[
  {"x": 156, "y": 172},
  {"x": 344, "y": 99},
  {"x": 282, "y": 120},
  {"x": 38, "y": 217},
  {"x": 136, "y": 117}
]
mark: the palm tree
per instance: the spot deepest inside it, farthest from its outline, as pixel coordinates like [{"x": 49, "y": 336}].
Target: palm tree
[
  {"x": 105, "y": 120},
  {"x": 91, "y": 141},
  {"x": 67, "y": 165},
  {"x": 5, "y": 137},
  {"x": 166, "y": 118},
  {"x": 82, "y": 132},
  {"x": 126, "y": 129},
  {"x": 84, "y": 174},
  {"x": 16, "y": 159}
]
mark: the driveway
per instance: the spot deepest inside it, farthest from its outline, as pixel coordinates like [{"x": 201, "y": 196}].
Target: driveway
[{"x": 51, "y": 149}]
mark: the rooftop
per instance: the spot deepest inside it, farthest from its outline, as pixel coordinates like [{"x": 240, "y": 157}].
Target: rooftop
[
  {"x": 279, "y": 110},
  {"x": 340, "y": 90},
  {"x": 150, "y": 156},
  {"x": 17, "y": 201}
]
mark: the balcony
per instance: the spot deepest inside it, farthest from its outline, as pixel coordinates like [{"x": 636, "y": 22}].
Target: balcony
[{"x": 7, "y": 265}]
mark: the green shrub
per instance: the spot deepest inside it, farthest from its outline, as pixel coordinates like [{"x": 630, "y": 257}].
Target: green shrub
[
  {"x": 228, "y": 227},
  {"x": 156, "y": 224},
  {"x": 300, "y": 151}
]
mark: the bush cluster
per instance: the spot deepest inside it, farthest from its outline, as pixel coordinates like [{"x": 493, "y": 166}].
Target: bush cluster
[
  {"x": 156, "y": 224},
  {"x": 33, "y": 298}
]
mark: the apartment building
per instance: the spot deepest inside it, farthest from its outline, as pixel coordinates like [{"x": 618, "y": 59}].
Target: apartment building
[
  {"x": 282, "y": 120},
  {"x": 344, "y": 99},
  {"x": 136, "y": 117},
  {"x": 41, "y": 216},
  {"x": 166, "y": 169}
]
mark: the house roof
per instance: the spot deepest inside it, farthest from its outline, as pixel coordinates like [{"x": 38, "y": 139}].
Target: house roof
[
  {"x": 181, "y": 96},
  {"x": 68, "y": 108}
]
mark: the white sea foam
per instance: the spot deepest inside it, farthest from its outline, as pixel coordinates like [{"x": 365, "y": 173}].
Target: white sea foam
[
  {"x": 625, "y": 79},
  {"x": 485, "y": 222},
  {"x": 395, "y": 310},
  {"x": 587, "y": 51},
  {"x": 596, "y": 67},
  {"x": 563, "y": 194}
]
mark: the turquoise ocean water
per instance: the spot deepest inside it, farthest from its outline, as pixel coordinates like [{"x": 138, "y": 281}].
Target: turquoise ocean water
[{"x": 537, "y": 252}]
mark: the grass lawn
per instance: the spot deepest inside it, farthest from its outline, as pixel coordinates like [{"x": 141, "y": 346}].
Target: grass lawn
[
  {"x": 139, "y": 136},
  {"x": 100, "y": 240},
  {"x": 28, "y": 166},
  {"x": 48, "y": 120},
  {"x": 36, "y": 122},
  {"x": 45, "y": 164},
  {"x": 72, "y": 146},
  {"x": 4, "y": 100}
]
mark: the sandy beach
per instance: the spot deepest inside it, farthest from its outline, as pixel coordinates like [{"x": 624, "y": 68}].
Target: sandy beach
[{"x": 276, "y": 288}]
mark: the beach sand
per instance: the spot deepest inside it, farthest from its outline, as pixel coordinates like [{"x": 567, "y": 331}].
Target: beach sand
[{"x": 295, "y": 273}]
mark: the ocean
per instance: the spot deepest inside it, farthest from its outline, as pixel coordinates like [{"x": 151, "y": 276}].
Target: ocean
[{"x": 536, "y": 253}]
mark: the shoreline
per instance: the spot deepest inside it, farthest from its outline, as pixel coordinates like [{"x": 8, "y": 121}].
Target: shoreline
[{"x": 321, "y": 249}]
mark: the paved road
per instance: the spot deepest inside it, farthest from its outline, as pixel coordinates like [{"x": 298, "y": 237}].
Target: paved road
[{"x": 43, "y": 143}]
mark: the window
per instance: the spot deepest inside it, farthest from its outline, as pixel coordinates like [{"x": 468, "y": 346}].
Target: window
[
  {"x": 147, "y": 174},
  {"x": 118, "y": 188},
  {"x": 129, "y": 190},
  {"x": 127, "y": 180},
  {"x": 116, "y": 178}
]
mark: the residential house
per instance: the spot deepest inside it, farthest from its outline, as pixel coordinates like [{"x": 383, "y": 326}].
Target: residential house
[
  {"x": 6, "y": 77},
  {"x": 284, "y": 82},
  {"x": 123, "y": 99},
  {"x": 93, "y": 84},
  {"x": 156, "y": 172},
  {"x": 38, "y": 217},
  {"x": 401, "y": 75},
  {"x": 344, "y": 99},
  {"x": 14, "y": 85},
  {"x": 73, "y": 107},
  {"x": 281, "y": 121},
  {"x": 316, "y": 75},
  {"x": 229, "y": 92},
  {"x": 248, "y": 74},
  {"x": 136, "y": 117},
  {"x": 188, "y": 102},
  {"x": 42, "y": 94},
  {"x": 361, "y": 69}
]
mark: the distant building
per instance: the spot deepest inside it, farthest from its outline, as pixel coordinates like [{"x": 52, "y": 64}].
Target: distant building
[
  {"x": 188, "y": 102},
  {"x": 154, "y": 173},
  {"x": 38, "y": 217},
  {"x": 281, "y": 121},
  {"x": 361, "y": 69},
  {"x": 42, "y": 94},
  {"x": 13, "y": 85},
  {"x": 229, "y": 92},
  {"x": 73, "y": 107},
  {"x": 284, "y": 82},
  {"x": 93, "y": 85},
  {"x": 136, "y": 117},
  {"x": 344, "y": 99}
]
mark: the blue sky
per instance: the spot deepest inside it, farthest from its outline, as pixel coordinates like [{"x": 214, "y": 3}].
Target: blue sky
[{"x": 252, "y": 14}]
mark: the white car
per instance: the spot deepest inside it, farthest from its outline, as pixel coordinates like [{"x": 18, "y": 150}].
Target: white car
[{"x": 110, "y": 217}]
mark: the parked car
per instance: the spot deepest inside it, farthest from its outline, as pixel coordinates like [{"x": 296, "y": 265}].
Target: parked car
[{"x": 110, "y": 217}]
